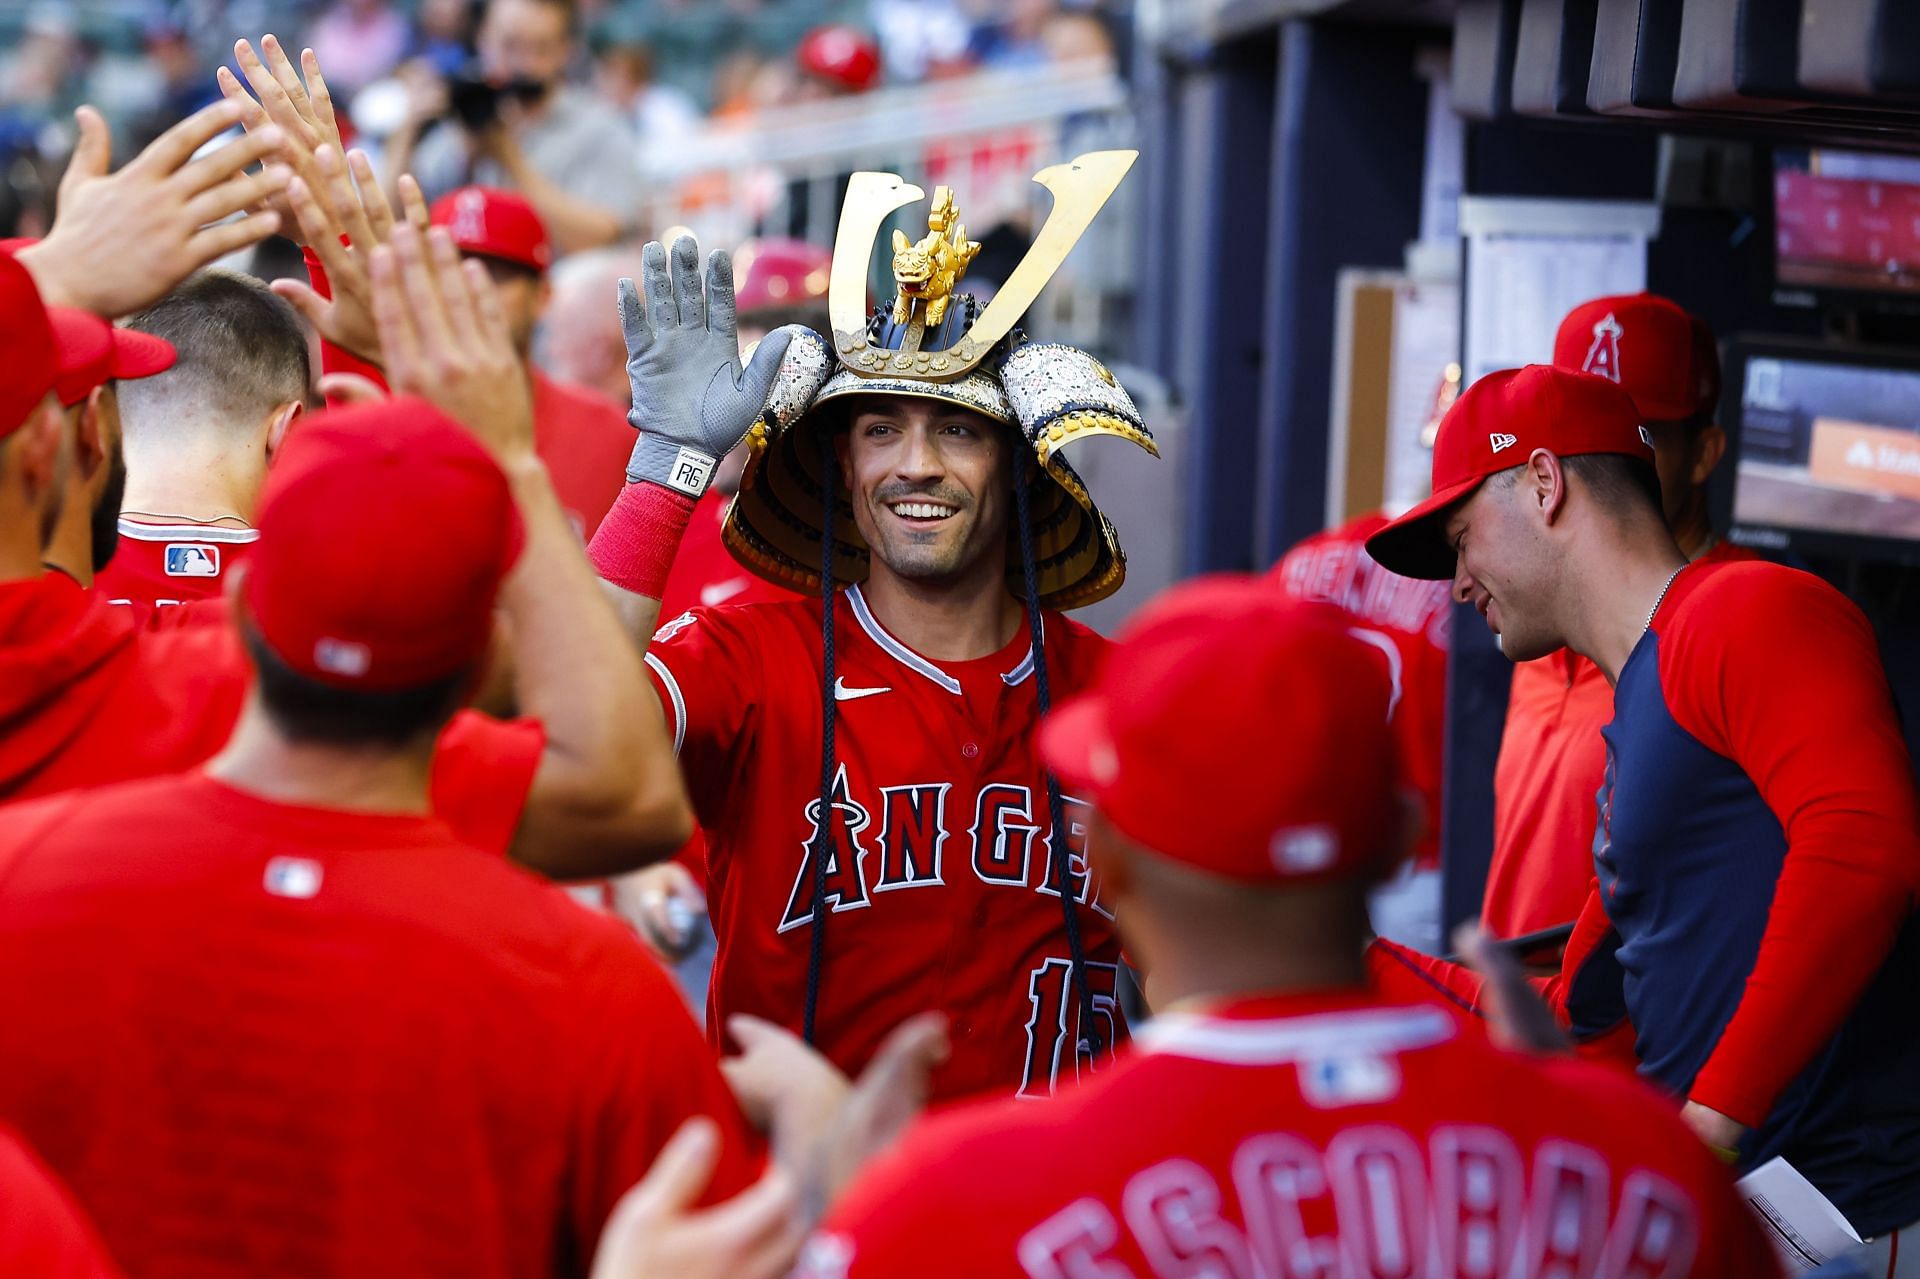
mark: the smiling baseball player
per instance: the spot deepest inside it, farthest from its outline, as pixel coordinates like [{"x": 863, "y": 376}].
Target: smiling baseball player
[{"x": 905, "y": 850}]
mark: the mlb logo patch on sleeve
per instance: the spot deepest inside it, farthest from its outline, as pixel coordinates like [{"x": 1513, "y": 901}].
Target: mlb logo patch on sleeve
[{"x": 192, "y": 559}]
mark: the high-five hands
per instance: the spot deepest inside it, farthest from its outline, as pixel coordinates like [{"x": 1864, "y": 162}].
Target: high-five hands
[
  {"x": 301, "y": 111},
  {"x": 444, "y": 338},
  {"x": 120, "y": 241},
  {"x": 692, "y": 400},
  {"x": 333, "y": 202}
]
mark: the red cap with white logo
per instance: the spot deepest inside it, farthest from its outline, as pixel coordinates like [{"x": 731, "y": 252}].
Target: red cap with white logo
[
  {"x": 1495, "y": 425},
  {"x": 1239, "y": 732},
  {"x": 494, "y": 224},
  {"x": 1663, "y": 357},
  {"x": 385, "y": 532}
]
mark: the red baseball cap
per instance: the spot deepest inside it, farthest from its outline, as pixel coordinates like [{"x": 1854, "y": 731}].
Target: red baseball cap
[
  {"x": 494, "y": 224},
  {"x": 1495, "y": 425},
  {"x": 1664, "y": 357},
  {"x": 846, "y": 56},
  {"x": 91, "y": 351},
  {"x": 1239, "y": 732},
  {"x": 776, "y": 273},
  {"x": 385, "y": 532},
  {"x": 27, "y": 359}
]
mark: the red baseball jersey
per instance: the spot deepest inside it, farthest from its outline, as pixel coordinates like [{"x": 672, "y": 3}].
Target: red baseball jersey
[
  {"x": 1306, "y": 1135},
  {"x": 584, "y": 439},
  {"x": 1552, "y": 763},
  {"x": 43, "y": 1232},
  {"x": 86, "y": 700},
  {"x": 938, "y": 885},
  {"x": 1334, "y": 568},
  {"x": 155, "y": 565},
  {"x": 258, "y": 1038}
]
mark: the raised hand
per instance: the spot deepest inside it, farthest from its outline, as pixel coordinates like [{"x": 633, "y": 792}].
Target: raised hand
[
  {"x": 120, "y": 241},
  {"x": 444, "y": 338},
  {"x": 692, "y": 400},
  {"x": 655, "y": 1232},
  {"x": 343, "y": 215},
  {"x": 303, "y": 112}
]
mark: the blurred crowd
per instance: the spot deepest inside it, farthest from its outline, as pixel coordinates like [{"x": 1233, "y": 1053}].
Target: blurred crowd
[{"x": 592, "y": 90}]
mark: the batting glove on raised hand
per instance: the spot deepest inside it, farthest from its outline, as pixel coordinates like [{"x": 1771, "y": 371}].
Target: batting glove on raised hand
[{"x": 692, "y": 401}]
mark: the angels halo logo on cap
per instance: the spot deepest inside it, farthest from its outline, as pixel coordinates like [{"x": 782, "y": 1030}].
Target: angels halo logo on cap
[
  {"x": 1603, "y": 357},
  {"x": 470, "y": 217}
]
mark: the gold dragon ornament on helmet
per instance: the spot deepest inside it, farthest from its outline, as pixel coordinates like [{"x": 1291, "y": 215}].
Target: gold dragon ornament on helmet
[{"x": 933, "y": 341}]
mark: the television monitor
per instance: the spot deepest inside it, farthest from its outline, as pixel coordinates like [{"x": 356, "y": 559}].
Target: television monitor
[
  {"x": 1847, "y": 221},
  {"x": 1826, "y": 449}
]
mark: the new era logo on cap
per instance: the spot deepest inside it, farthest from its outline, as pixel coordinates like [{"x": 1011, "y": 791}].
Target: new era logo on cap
[
  {"x": 1516, "y": 411},
  {"x": 1302, "y": 850},
  {"x": 342, "y": 657}
]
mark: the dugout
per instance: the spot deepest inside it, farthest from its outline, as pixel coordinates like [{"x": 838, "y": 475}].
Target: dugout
[{"x": 1307, "y": 154}]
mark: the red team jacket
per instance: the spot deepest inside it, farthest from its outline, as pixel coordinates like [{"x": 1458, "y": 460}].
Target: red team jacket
[
  {"x": 179, "y": 562},
  {"x": 1333, "y": 567},
  {"x": 1552, "y": 762},
  {"x": 1305, "y": 1135},
  {"x": 85, "y": 700},
  {"x": 260, "y": 1039},
  {"x": 937, "y": 889}
]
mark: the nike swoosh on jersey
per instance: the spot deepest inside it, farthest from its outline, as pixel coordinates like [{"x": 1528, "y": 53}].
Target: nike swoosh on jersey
[
  {"x": 721, "y": 592},
  {"x": 841, "y": 693}
]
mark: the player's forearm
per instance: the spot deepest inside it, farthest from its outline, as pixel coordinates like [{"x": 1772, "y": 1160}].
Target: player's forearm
[
  {"x": 633, "y": 551},
  {"x": 1828, "y": 932},
  {"x": 608, "y": 795}
]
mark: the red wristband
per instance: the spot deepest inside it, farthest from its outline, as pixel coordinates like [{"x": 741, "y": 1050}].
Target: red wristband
[
  {"x": 636, "y": 542},
  {"x": 337, "y": 359}
]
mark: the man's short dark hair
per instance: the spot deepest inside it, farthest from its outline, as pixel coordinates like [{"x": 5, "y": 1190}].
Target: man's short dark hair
[
  {"x": 306, "y": 710},
  {"x": 1618, "y": 483},
  {"x": 242, "y": 351}
]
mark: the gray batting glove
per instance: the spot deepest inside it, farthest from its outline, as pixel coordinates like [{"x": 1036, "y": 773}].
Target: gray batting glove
[{"x": 692, "y": 402}]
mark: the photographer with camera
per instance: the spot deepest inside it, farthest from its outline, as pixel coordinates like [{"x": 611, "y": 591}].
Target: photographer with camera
[{"x": 513, "y": 122}]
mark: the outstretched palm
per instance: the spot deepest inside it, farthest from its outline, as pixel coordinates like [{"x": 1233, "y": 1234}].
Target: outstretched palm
[{"x": 690, "y": 392}]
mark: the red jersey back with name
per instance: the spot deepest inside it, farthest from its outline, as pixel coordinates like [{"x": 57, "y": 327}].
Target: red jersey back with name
[
  {"x": 938, "y": 887},
  {"x": 1334, "y": 568},
  {"x": 1303, "y": 1136},
  {"x": 177, "y": 562}
]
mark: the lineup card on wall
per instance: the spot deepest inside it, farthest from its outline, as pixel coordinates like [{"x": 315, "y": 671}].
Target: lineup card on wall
[{"x": 1529, "y": 262}]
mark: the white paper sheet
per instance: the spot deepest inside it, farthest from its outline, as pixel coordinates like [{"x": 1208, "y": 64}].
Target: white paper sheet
[{"x": 1807, "y": 1231}]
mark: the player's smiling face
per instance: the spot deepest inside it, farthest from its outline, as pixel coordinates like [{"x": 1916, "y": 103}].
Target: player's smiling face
[
  {"x": 931, "y": 485},
  {"x": 1498, "y": 566}
]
